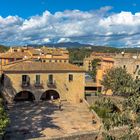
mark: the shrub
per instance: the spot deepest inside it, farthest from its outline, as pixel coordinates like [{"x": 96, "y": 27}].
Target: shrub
[{"x": 4, "y": 120}]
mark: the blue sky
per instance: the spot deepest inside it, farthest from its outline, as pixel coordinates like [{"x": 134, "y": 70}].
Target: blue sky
[
  {"x": 28, "y": 8},
  {"x": 98, "y": 22}
]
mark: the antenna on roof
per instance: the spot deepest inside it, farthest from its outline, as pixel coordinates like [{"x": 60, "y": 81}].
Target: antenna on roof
[
  {"x": 123, "y": 53},
  {"x": 25, "y": 57}
]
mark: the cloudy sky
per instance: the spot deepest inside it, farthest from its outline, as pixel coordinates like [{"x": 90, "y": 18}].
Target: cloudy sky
[{"x": 98, "y": 22}]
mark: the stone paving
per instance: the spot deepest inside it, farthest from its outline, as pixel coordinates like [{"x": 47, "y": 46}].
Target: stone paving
[{"x": 32, "y": 120}]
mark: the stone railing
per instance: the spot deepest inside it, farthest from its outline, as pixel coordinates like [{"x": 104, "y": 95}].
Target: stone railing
[
  {"x": 51, "y": 84},
  {"x": 87, "y": 135},
  {"x": 98, "y": 119},
  {"x": 38, "y": 84}
]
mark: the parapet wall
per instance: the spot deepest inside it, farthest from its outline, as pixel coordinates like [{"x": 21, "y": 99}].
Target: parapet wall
[{"x": 77, "y": 136}]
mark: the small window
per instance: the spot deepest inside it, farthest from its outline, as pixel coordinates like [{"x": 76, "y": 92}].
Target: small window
[
  {"x": 37, "y": 79},
  {"x": 25, "y": 79},
  {"x": 4, "y": 61},
  {"x": 89, "y": 68},
  {"x": 11, "y": 60},
  {"x": 137, "y": 77},
  {"x": 137, "y": 66},
  {"x": 124, "y": 66},
  {"x": 55, "y": 60},
  {"x": 50, "y": 61},
  {"x": 50, "y": 79},
  {"x": 70, "y": 77}
]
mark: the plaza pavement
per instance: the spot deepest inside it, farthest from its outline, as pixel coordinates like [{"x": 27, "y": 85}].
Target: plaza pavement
[{"x": 45, "y": 119}]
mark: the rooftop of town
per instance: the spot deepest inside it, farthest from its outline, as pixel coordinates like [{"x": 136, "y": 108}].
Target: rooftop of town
[
  {"x": 32, "y": 66},
  {"x": 21, "y": 52}
]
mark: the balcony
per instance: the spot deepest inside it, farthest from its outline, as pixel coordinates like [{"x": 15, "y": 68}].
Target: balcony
[
  {"x": 51, "y": 84},
  {"x": 38, "y": 84},
  {"x": 25, "y": 84}
]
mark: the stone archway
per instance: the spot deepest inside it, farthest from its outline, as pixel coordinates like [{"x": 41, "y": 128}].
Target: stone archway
[
  {"x": 49, "y": 94},
  {"x": 24, "y": 96}
]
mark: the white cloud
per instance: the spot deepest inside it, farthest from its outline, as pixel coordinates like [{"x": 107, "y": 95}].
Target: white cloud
[
  {"x": 46, "y": 40},
  {"x": 123, "y": 18},
  {"x": 98, "y": 27},
  {"x": 64, "y": 40}
]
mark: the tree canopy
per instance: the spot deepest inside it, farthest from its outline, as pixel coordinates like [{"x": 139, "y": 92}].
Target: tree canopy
[
  {"x": 94, "y": 64},
  {"x": 3, "y": 48},
  {"x": 119, "y": 81},
  {"x": 4, "y": 120}
]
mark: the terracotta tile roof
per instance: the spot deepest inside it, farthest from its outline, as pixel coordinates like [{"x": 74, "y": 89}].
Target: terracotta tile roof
[
  {"x": 102, "y": 54},
  {"x": 31, "y": 66},
  {"x": 15, "y": 55},
  {"x": 54, "y": 51},
  {"x": 108, "y": 59},
  {"x": 101, "y": 58},
  {"x": 35, "y": 51}
]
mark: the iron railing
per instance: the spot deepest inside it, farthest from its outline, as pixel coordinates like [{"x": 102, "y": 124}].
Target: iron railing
[
  {"x": 25, "y": 84},
  {"x": 38, "y": 84},
  {"x": 51, "y": 84}
]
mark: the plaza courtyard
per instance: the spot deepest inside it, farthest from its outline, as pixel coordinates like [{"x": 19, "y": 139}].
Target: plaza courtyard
[{"x": 46, "y": 119}]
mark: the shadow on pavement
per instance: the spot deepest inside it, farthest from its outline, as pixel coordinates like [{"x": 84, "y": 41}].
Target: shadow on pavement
[{"x": 29, "y": 119}]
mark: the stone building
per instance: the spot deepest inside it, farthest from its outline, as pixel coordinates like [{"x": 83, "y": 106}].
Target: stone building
[
  {"x": 106, "y": 58},
  {"x": 130, "y": 62},
  {"x": 29, "y": 80},
  {"x": 106, "y": 62},
  {"x": 43, "y": 54}
]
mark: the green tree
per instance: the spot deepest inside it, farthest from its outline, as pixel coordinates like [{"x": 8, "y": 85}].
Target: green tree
[
  {"x": 109, "y": 112},
  {"x": 78, "y": 54},
  {"x": 4, "y": 120},
  {"x": 94, "y": 64},
  {"x": 119, "y": 81}
]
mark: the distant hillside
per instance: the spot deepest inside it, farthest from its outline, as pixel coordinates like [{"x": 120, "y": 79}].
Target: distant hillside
[
  {"x": 78, "y": 51},
  {"x": 81, "y": 53},
  {"x": 63, "y": 45},
  {"x": 3, "y": 48},
  {"x": 77, "y": 45},
  {"x": 78, "y": 54},
  {"x": 69, "y": 45}
]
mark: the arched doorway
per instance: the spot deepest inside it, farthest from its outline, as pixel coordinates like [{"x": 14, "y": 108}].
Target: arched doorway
[
  {"x": 24, "y": 96},
  {"x": 49, "y": 94}
]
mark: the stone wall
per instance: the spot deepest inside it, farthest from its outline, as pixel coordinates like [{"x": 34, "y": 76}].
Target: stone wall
[
  {"x": 131, "y": 65},
  {"x": 77, "y": 136},
  {"x": 72, "y": 91}
]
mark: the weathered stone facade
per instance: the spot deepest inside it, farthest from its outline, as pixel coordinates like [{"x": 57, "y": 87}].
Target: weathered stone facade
[
  {"x": 128, "y": 61},
  {"x": 131, "y": 64},
  {"x": 70, "y": 90}
]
